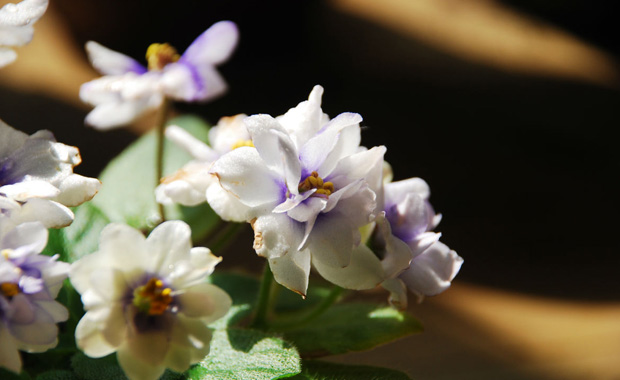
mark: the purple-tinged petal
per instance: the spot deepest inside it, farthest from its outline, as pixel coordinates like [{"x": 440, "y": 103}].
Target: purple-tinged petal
[
  {"x": 29, "y": 238},
  {"x": 110, "y": 62},
  {"x": 366, "y": 165},
  {"x": 213, "y": 46},
  {"x": 432, "y": 271},
  {"x": 395, "y": 192},
  {"x": 276, "y": 148}
]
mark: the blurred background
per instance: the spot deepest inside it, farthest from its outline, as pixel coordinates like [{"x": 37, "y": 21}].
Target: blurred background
[{"x": 506, "y": 108}]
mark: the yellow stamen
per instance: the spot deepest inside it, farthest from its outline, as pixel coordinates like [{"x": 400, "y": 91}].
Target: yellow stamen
[
  {"x": 159, "y": 55},
  {"x": 6, "y": 253},
  {"x": 313, "y": 181},
  {"x": 152, "y": 298},
  {"x": 9, "y": 289},
  {"x": 241, "y": 143}
]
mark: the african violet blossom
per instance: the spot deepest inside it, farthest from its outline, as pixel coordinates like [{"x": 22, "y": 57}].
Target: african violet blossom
[
  {"x": 37, "y": 182},
  {"x": 411, "y": 219},
  {"x": 16, "y": 22},
  {"x": 29, "y": 283},
  {"x": 308, "y": 187},
  {"x": 147, "y": 299},
  {"x": 190, "y": 185},
  {"x": 128, "y": 89}
]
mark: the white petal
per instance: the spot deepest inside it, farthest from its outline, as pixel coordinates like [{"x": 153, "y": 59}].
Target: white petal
[
  {"x": 275, "y": 148},
  {"x": 122, "y": 247},
  {"x": 77, "y": 189},
  {"x": 292, "y": 270},
  {"x": 51, "y": 214},
  {"x": 397, "y": 255},
  {"x": 228, "y": 131},
  {"x": 433, "y": 270},
  {"x": 398, "y": 292},
  {"x": 204, "y": 301},
  {"x": 396, "y": 192},
  {"x": 110, "y": 62},
  {"x": 10, "y": 139},
  {"x": 331, "y": 241},
  {"x": 23, "y": 13},
  {"x": 227, "y": 206},
  {"x": 90, "y": 339},
  {"x": 367, "y": 165},
  {"x": 244, "y": 173},
  {"x": 363, "y": 272},
  {"x": 190, "y": 144},
  {"x": 188, "y": 186},
  {"x": 7, "y": 56},
  {"x": 28, "y": 237},
  {"x": 111, "y": 115},
  {"x": 21, "y": 191},
  {"x": 276, "y": 234},
  {"x": 167, "y": 244},
  {"x": 9, "y": 355},
  {"x": 15, "y": 35},
  {"x": 305, "y": 120},
  {"x": 136, "y": 369},
  {"x": 214, "y": 45}
]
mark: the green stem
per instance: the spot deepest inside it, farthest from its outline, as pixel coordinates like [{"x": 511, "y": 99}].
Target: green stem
[
  {"x": 293, "y": 323},
  {"x": 161, "y": 129},
  {"x": 263, "y": 304}
]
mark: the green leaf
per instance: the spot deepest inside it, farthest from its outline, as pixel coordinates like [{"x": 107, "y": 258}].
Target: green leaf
[
  {"x": 58, "y": 375},
  {"x": 351, "y": 327},
  {"x": 5, "y": 374},
  {"x": 246, "y": 354},
  {"x": 319, "y": 370},
  {"x": 128, "y": 183}
]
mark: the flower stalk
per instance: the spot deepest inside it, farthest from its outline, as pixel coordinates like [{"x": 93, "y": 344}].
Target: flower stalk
[
  {"x": 164, "y": 111},
  {"x": 264, "y": 301}
]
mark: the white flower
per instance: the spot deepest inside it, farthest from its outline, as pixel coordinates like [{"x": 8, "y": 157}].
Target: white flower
[
  {"x": 29, "y": 283},
  {"x": 128, "y": 89},
  {"x": 147, "y": 299},
  {"x": 411, "y": 220},
  {"x": 308, "y": 187},
  {"x": 16, "y": 22},
  {"x": 37, "y": 182},
  {"x": 190, "y": 185}
]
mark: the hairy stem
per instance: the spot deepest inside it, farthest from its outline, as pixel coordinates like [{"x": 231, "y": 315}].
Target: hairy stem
[{"x": 161, "y": 128}]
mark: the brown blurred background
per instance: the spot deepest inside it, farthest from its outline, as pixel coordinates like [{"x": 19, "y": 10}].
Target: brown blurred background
[{"x": 507, "y": 108}]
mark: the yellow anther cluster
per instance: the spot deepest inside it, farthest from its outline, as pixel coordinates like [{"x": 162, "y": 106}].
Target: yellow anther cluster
[
  {"x": 241, "y": 143},
  {"x": 9, "y": 289},
  {"x": 159, "y": 55},
  {"x": 313, "y": 181},
  {"x": 152, "y": 298}
]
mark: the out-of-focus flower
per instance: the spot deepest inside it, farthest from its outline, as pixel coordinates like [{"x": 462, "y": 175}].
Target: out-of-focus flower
[
  {"x": 128, "y": 89},
  {"x": 37, "y": 182},
  {"x": 29, "y": 283},
  {"x": 411, "y": 219},
  {"x": 308, "y": 187},
  {"x": 16, "y": 29},
  {"x": 147, "y": 299},
  {"x": 193, "y": 184}
]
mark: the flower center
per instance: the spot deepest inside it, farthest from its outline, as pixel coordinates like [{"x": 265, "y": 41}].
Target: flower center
[
  {"x": 9, "y": 289},
  {"x": 159, "y": 55},
  {"x": 152, "y": 298},
  {"x": 241, "y": 143},
  {"x": 313, "y": 181},
  {"x": 6, "y": 253}
]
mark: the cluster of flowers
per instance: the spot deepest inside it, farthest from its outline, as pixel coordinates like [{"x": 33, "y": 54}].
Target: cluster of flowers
[{"x": 314, "y": 196}]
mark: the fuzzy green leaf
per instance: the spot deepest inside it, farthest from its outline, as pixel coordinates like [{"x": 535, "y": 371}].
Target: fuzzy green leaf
[
  {"x": 246, "y": 354},
  {"x": 58, "y": 375},
  {"x": 351, "y": 327},
  {"x": 319, "y": 370}
]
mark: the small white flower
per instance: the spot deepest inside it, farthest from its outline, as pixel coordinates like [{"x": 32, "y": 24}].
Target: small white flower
[
  {"x": 128, "y": 89},
  {"x": 37, "y": 182},
  {"x": 16, "y": 22},
  {"x": 411, "y": 219},
  {"x": 193, "y": 184},
  {"x": 308, "y": 187},
  {"x": 148, "y": 299},
  {"x": 29, "y": 283}
]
